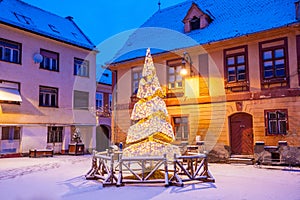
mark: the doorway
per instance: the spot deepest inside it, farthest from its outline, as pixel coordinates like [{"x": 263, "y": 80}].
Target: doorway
[
  {"x": 241, "y": 134},
  {"x": 102, "y": 138}
]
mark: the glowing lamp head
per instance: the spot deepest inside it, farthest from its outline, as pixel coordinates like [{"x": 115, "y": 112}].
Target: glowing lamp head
[{"x": 183, "y": 72}]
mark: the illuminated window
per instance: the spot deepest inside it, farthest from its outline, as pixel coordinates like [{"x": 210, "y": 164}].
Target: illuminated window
[{"x": 175, "y": 80}]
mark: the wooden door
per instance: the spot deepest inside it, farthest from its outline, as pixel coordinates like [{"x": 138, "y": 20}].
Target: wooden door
[{"x": 241, "y": 134}]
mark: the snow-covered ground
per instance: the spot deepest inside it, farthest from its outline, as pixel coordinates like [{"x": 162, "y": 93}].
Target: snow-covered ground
[{"x": 62, "y": 177}]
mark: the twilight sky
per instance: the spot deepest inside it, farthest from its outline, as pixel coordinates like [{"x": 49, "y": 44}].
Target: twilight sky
[{"x": 101, "y": 19}]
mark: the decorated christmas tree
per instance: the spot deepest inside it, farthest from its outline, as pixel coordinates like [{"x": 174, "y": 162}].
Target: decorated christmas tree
[{"x": 152, "y": 134}]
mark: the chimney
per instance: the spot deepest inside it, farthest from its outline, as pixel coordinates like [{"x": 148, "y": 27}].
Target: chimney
[{"x": 297, "y": 9}]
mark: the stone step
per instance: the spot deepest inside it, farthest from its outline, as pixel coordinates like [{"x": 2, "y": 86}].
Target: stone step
[{"x": 240, "y": 160}]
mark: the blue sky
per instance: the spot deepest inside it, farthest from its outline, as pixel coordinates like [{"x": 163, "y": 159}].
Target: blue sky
[{"x": 101, "y": 19}]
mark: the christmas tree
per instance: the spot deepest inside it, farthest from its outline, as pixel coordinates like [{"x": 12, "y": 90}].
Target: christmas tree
[{"x": 152, "y": 134}]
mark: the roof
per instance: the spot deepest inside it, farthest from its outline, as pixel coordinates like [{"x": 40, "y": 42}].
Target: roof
[
  {"x": 230, "y": 19},
  {"x": 103, "y": 75},
  {"x": 27, "y": 17}
]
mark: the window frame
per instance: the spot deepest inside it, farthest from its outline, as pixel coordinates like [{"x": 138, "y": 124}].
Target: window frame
[
  {"x": 79, "y": 66},
  {"x": 14, "y": 133},
  {"x": 55, "y": 135},
  {"x": 52, "y": 56},
  {"x": 102, "y": 100},
  {"x": 236, "y": 85},
  {"x": 277, "y": 120},
  {"x": 13, "y": 47},
  {"x": 186, "y": 125},
  {"x": 51, "y": 91},
  {"x": 138, "y": 71},
  {"x": 179, "y": 90},
  {"x": 275, "y": 81},
  {"x": 194, "y": 23},
  {"x": 24, "y": 19}
]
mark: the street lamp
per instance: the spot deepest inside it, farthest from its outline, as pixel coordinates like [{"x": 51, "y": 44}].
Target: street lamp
[{"x": 186, "y": 58}]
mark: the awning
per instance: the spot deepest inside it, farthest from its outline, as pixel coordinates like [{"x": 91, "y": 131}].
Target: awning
[{"x": 9, "y": 94}]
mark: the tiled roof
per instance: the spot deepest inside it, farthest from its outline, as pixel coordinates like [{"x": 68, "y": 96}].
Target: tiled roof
[
  {"x": 27, "y": 17},
  {"x": 231, "y": 19}
]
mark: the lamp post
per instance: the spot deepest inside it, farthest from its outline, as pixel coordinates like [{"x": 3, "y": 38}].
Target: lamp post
[{"x": 186, "y": 58}]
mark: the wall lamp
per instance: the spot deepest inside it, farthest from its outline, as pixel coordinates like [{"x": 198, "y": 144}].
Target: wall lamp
[{"x": 186, "y": 58}]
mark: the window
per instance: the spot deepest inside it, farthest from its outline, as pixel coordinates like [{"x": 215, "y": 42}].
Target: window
[
  {"x": 274, "y": 67},
  {"x": 48, "y": 97},
  {"x": 81, "y": 100},
  {"x": 11, "y": 133},
  {"x": 195, "y": 23},
  {"x": 50, "y": 60},
  {"x": 110, "y": 102},
  {"x": 53, "y": 28},
  {"x": 23, "y": 19},
  {"x": 136, "y": 77},
  {"x": 236, "y": 69},
  {"x": 81, "y": 67},
  {"x": 181, "y": 129},
  {"x": 276, "y": 121},
  {"x": 99, "y": 100},
  {"x": 10, "y": 51},
  {"x": 10, "y": 92},
  {"x": 175, "y": 80},
  {"x": 54, "y": 134}
]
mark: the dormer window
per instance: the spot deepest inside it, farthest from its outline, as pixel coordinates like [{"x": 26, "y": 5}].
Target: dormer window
[
  {"x": 195, "y": 19},
  {"x": 23, "y": 19},
  {"x": 195, "y": 23},
  {"x": 53, "y": 28}
]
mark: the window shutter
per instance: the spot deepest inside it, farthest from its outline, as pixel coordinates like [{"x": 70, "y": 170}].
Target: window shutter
[{"x": 81, "y": 100}]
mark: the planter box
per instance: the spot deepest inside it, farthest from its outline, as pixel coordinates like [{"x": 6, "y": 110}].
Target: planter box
[
  {"x": 76, "y": 149},
  {"x": 36, "y": 153}
]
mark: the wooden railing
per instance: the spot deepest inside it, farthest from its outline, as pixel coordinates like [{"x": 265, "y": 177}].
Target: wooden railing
[{"x": 113, "y": 169}]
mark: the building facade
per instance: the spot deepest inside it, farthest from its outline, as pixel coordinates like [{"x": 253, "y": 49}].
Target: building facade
[
  {"x": 103, "y": 109},
  {"x": 47, "y": 81},
  {"x": 242, "y": 80}
]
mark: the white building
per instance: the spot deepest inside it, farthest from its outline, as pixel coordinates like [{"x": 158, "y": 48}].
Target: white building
[{"x": 47, "y": 80}]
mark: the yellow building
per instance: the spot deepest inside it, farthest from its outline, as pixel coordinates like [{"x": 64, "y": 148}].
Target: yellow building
[{"x": 242, "y": 83}]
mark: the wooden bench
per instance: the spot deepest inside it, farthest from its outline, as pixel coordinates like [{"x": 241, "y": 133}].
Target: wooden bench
[{"x": 36, "y": 153}]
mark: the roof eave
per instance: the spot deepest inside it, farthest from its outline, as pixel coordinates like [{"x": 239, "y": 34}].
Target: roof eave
[{"x": 49, "y": 36}]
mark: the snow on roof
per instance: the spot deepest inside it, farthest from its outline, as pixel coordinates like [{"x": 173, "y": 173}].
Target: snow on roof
[
  {"x": 230, "y": 19},
  {"x": 104, "y": 75},
  {"x": 27, "y": 17}
]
